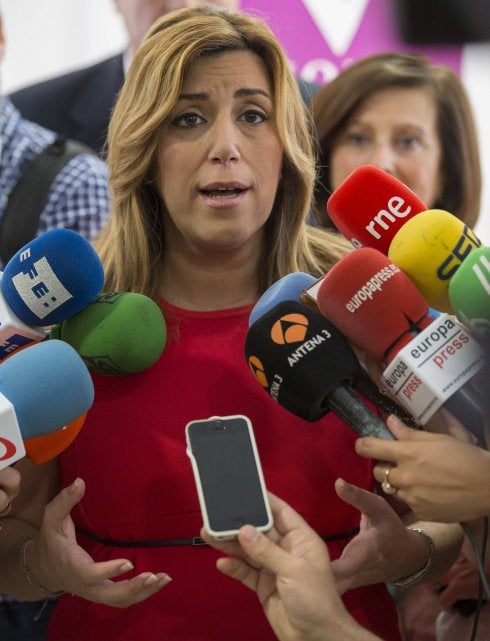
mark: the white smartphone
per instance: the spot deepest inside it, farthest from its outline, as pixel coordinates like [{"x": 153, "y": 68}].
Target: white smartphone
[{"x": 228, "y": 475}]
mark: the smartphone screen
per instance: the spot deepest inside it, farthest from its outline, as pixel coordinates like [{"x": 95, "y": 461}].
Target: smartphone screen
[{"x": 228, "y": 475}]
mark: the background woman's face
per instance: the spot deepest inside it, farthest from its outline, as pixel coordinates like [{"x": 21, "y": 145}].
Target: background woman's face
[{"x": 396, "y": 130}]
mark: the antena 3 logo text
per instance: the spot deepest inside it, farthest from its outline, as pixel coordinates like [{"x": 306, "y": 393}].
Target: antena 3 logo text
[{"x": 293, "y": 329}]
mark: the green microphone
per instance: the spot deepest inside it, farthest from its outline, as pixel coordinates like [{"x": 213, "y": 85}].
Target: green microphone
[
  {"x": 469, "y": 292},
  {"x": 118, "y": 333}
]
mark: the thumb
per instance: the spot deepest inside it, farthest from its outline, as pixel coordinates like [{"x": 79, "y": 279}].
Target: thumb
[
  {"x": 63, "y": 503},
  {"x": 399, "y": 430},
  {"x": 363, "y": 500},
  {"x": 261, "y": 550}
]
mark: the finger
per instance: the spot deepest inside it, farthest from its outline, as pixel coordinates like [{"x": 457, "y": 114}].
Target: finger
[
  {"x": 240, "y": 570},
  {"x": 261, "y": 551},
  {"x": 381, "y": 449},
  {"x": 63, "y": 503},
  {"x": 366, "y": 502},
  {"x": 128, "y": 592},
  {"x": 228, "y": 547},
  {"x": 5, "y": 504},
  {"x": 10, "y": 481}
]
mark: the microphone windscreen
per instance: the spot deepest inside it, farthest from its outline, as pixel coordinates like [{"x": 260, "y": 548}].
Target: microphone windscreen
[
  {"x": 429, "y": 248},
  {"x": 118, "y": 333},
  {"x": 469, "y": 291},
  {"x": 299, "y": 358},
  {"x": 289, "y": 287},
  {"x": 372, "y": 302},
  {"x": 52, "y": 277},
  {"x": 48, "y": 385},
  {"x": 370, "y": 205},
  {"x": 40, "y": 449}
]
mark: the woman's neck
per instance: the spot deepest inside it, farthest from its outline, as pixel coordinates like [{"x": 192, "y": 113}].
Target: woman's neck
[{"x": 220, "y": 281}]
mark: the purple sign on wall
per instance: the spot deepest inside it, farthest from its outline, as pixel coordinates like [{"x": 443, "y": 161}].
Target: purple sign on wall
[{"x": 321, "y": 37}]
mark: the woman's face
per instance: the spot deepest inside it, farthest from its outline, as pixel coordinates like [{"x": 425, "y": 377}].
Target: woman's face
[
  {"x": 396, "y": 130},
  {"x": 220, "y": 157}
]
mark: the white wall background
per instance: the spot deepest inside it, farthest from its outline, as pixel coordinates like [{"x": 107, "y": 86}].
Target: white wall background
[{"x": 47, "y": 37}]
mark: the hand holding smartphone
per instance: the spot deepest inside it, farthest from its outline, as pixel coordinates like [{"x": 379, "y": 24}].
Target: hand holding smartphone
[{"x": 228, "y": 475}]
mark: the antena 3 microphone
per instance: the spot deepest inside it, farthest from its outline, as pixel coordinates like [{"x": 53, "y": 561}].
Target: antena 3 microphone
[{"x": 289, "y": 349}]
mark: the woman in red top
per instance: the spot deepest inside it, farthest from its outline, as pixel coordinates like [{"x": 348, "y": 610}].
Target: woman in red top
[{"x": 212, "y": 170}]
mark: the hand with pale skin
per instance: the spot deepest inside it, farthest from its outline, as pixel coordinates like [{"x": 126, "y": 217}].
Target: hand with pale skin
[
  {"x": 289, "y": 569},
  {"x": 373, "y": 555},
  {"x": 58, "y": 563},
  {"x": 440, "y": 477},
  {"x": 9, "y": 488}
]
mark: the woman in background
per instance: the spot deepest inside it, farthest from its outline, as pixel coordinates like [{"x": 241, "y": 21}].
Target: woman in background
[{"x": 409, "y": 117}]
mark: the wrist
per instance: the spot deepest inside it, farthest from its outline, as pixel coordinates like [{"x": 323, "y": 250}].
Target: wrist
[
  {"x": 25, "y": 559},
  {"x": 419, "y": 575}
]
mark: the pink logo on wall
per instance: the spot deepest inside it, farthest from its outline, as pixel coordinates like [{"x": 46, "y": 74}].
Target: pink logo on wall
[{"x": 321, "y": 37}]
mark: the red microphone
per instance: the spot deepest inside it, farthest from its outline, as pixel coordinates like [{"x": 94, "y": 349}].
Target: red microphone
[
  {"x": 373, "y": 303},
  {"x": 378, "y": 308},
  {"x": 370, "y": 206}
]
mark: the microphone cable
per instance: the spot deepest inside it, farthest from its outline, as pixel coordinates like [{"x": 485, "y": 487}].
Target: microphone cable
[{"x": 480, "y": 561}]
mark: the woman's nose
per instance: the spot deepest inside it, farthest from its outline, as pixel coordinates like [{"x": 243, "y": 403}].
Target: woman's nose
[
  {"x": 382, "y": 156},
  {"x": 224, "y": 147}
]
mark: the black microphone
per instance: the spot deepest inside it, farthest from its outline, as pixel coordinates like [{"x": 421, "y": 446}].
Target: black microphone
[{"x": 307, "y": 366}]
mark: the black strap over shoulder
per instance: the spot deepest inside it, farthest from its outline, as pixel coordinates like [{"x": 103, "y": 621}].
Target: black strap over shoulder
[{"x": 27, "y": 200}]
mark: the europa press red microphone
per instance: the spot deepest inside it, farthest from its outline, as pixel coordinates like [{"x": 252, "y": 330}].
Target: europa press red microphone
[
  {"x": 370, "y": 206},
  {"x": 431, "y": 360}
]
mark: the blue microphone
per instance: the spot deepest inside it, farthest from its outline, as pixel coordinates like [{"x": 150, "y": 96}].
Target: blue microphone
[
  {"x": 288, "y": 287},
  {"x": 42, "y": 388},
  {"x": 52, "y": 278}
]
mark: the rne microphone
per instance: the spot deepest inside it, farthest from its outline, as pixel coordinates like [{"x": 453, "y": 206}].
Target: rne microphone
[
  {"x": 379, "y": 309},
  {"x": 469, "y": 292},
  {"x": 430, "y": 248},
  {"x": 370, "y": 206},
  {"x": 42, "y": 388},
  {"x": 118, "y": 333},
  {"x": 288, "y": 350},
  {"x": 52, "y": 277}
]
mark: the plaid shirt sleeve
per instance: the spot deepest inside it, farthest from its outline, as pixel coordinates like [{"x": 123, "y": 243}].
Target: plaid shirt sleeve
[{"x": 78, "y": 198}]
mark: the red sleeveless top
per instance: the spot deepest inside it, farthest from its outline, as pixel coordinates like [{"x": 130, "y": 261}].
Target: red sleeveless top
[{"x": 131, "y": 452}]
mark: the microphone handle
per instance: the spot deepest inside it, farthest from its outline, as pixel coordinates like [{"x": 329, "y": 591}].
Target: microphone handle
[
  {"x": 370, "y": 390},
  {"x": 345, "y": 403},
  {"x": 467, "y": 405}
]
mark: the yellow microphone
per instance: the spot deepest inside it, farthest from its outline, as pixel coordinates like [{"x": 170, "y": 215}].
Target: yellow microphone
[{"x": 429, "y": 248}]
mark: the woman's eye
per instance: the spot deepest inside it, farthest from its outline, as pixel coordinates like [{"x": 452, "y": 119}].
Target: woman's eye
[
  {"x": 357, "y": 139},
  {"x": 188, "y": 120},
  {"x": 253, "y": 117},
  {"x": 408, "y": 142}
]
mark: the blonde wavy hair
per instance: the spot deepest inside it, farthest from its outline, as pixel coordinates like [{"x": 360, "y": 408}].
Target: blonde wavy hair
[{"x": 132, "y": 245}]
